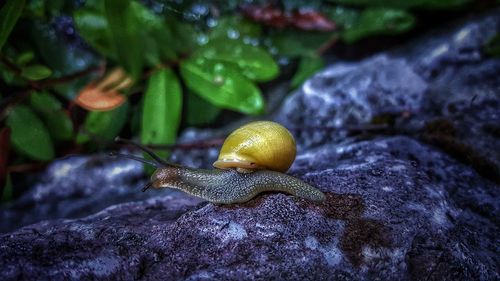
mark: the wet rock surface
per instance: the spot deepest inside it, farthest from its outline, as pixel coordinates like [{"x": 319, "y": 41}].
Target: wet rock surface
[{"x": 418, "y": 200}]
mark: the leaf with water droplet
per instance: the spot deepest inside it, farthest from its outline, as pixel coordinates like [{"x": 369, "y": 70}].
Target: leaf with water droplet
[
  {"x": 254, "y": 62},
  {"x": 228, "y": 27},
  {"x": 222, "y": 84}
]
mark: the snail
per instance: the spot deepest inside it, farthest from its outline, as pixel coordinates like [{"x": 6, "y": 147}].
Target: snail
[{"x": 253, "y": 159}]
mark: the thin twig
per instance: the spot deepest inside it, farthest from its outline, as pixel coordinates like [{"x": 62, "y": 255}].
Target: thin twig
[
  {"x": 12, "y": 67},
  {"x": 327, "y": 45},
  {"x": 68, "y": 78},
  {"x": 27, "y": 167},
  {"x": 187, "y": 146}
]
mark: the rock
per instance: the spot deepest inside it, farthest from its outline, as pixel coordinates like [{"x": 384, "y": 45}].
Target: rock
[
  {"x": 384, "y": 218},
  {"x": 77, "y": 187},
  {"x": 417, "y": 201},
  {"x": 351, "y": 94}
]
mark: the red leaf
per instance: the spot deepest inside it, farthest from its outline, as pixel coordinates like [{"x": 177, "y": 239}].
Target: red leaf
[
  {"x": 312, "y": 20},
  {"x": 301, "y": 19}
]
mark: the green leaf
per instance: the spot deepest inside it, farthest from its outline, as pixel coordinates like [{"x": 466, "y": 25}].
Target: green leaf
[
  {"x": 343, "y": 16},
  {"x": 255, "y": 63},
  {"x": 25, "y": 58},
  {"x": 222, "y": 85},
  {"x": 93, "y": 26},
  {"x": 156, "y": 36},
  {"x": 106, "y": 125},
  {"x": 233, "y": 27},
  {"x": 44, "y": 102},
  {"x": 125, "y": 30},
  {"x": 307, "y": 67},
  {"x": 185, "y": 36},
  {"x": 57, "y": 121},
  {"x": 9, "y": 77},
  {"x": 379, "y": 21},
  {"x": 29, "y": 136},
  {"x": 161, "y": 109},
  {"x": 59, "y": 125},
  {"x": 36, "y": 72},
  {"x": 199, "y": 111},
  {"x": 9, "y": 14},
  {"x": 298, "y": 43}
]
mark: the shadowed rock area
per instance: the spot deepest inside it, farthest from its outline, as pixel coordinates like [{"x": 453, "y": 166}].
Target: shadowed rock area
[{"x": 416, "y": 200}]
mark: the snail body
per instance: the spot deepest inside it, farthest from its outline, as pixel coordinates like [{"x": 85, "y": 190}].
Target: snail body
[
  {"x": 230, "y": 186},
  {"x": 243, "y": 171}
]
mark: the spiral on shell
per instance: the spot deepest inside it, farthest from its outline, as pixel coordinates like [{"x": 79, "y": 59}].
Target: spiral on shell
[{"x": 258, "y": 145}]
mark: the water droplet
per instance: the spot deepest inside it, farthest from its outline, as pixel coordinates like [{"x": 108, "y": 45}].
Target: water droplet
[
  {"x": 199, "y": 9},
  {"x": 218, "y": 80},
  {"x": 202, "y": 39},
  {"x": 273, "y": 50},
  {"x": 212, "y": 22},
  {"x": 233, "y": 34},
  {"x": 283, "y": 61},
  {"x": 251, "y": 41},
  {"x": 218, "y": 67},
  {"x": 200, "y": 60}
]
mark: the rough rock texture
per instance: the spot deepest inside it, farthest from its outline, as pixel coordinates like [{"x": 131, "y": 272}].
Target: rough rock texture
[
  {"x": 76, "y": 187},
  {"x": 351, "y": 94},
  {"x": 418, "y": 201}
]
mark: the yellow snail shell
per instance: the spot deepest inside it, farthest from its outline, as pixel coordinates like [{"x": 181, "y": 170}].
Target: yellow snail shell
[{"x": 258, "y": 145}]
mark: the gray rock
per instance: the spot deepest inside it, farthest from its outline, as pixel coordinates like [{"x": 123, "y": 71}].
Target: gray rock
[
  {"x": 351, "y": 94},
  {"x": 384, "y": 218},
  {"x": 417, "y": 204},
  {"x": 452, "y": 48},
  {"x": 76, "y": 187}
]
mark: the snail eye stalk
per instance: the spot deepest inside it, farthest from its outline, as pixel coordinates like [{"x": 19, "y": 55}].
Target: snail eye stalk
[
  {"x": 145, "y": 149},
  {"x": 142, "y": 160}
]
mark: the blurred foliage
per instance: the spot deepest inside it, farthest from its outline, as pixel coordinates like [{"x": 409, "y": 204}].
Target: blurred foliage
[
  {"x": 492, "y": 47},
  {"x": 184, "y": 63}
]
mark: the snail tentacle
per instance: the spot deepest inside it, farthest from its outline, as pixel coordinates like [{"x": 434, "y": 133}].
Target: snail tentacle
[
  {"x": 145, "y": 149},
  {"x": 142, "y": 160}
]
